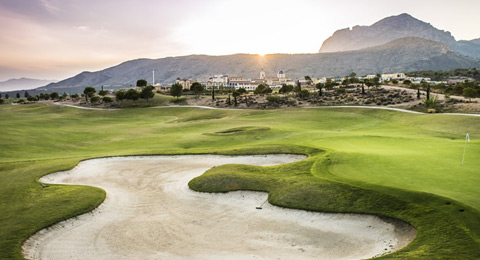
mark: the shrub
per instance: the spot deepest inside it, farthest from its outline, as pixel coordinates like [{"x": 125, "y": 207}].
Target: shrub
[
  {"x": 431, "y": 102},
  {"x": 32, "y": 99},
  {"x": 303, "y": 94},
  {"x": 273, "y": 99},
  {"x": 94, "y": 99},
  {"x": 341, "y": 91},
  {"x": 102, "y": 92},
  {"x": 107, "y": 99}
]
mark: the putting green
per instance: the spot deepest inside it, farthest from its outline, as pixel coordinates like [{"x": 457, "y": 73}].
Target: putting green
[{"x": 361, "y": 160}]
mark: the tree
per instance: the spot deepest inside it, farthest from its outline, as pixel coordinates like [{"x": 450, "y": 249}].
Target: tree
[
  {"x": 394, "y": 81},
  {"x": 213, "y": 93},
  {"x": 64, "y": 96},
  {"x": 74, "y": 96},
  {"x": 303, "y": 94},
  {"x": 330, "y": 84},
  {"x": 262, "y": 89},
  {"x": 18, "y": 95},
  {"x": 369, "y": 83},
  {"x": 25, "y": 94},
  {"x": 352, "y": 78},
  {"x": 319, "y": 86},
  {"x": 469, "y": 93},
  {"x": 107, "y": 99},
  {"x": 197, "y": 89},
  {"x": 309, "y": 80},
  {"x": 235, "y": 94},
  {"x": 176, "y": 90},
  {"x": 94, "y": 99},
  {"x": 103, "y": 92},
  {"x": 242, "y": 91},
  {"x": 54, "y": 95},
  {"x": 425, "y": 85},
  {"x": 376, "y": 81},
  {"x": 120, "y": 95},
  {"x": 407, "y": 82},
  {"x": 89, "y": 92},
  {"x": 418, "y": 93},
  {"x": 141, "y": 83},
  {"x": 0, "y": 95},
  {"x": 147, "y": 92},
  {"x": 132, "y": 94},
  {"x": 297, "y": 88},
  {"x": 285, "y": 89},
  {"x": 7, "y": 96}
]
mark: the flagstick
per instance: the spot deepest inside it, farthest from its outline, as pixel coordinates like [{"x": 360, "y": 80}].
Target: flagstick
[{"x": 464, "y": 148}]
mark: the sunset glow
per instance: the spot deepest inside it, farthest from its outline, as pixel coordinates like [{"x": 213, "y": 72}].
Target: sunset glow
[{"x": 58, "y": 39}]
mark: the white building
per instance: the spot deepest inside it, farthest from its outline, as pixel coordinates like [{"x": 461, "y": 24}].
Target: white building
[{"x": 217, "y": 81}]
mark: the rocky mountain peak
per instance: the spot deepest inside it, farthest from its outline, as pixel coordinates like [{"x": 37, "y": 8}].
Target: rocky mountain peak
[{"x": 383, "y": 31}]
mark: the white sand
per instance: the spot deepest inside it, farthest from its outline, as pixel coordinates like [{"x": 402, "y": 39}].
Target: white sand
[{"x": 150, "y": 213}]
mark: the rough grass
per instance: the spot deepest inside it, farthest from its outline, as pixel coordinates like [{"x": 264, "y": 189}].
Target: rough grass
[{"x": 361, "y": 160}]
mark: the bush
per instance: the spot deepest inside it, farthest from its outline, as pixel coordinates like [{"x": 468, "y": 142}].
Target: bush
[
  {"x": 262, "y": 89},
  {"x": 303, "y": 94},
  {"x": 94, "y": 99},
  {"x": 273, "y": 99},
  {"x": 54, "y": 95},
  {"x": 21, "y": 101},
  {"x": 107, "y": 99},
  {"x": 2, "y": 101},
  {"x": 32, "y": 99},
  {"x": 341, "y": 91},
  {"x": 102, "y": 93},
  {"x": 431, "y": 102},
  {"x": 75, "y": 96}
]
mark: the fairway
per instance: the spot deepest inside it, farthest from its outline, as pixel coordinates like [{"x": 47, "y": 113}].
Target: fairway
[{"x": 386, "y": 163}]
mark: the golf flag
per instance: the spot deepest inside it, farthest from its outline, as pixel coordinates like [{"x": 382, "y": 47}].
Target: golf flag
[{"x": 467, "y": 139}]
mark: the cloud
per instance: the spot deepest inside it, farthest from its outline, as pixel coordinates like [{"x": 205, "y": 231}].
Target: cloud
[{"x": 50, "y": 6}]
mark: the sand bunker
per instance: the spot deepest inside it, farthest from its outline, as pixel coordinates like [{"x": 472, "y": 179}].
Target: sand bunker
[{"x": 150, "y": 213}]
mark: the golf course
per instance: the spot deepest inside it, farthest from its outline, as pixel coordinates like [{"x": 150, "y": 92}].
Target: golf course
[{"x": 394, "y": 165}]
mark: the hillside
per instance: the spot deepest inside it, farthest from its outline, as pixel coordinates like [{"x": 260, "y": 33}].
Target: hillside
[
  {"x": 392, "y": 28},
  {"x": 408, "y": 54},
  {"x": 22, "y": 84}
]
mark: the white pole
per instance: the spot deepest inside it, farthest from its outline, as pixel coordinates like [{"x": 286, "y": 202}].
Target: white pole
[
  {"x": 153, "y": 77},
  {"x": 464, "y": 148}
]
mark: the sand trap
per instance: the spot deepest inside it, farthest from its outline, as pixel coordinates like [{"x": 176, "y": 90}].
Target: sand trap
[{"x": 150, "y": 213}]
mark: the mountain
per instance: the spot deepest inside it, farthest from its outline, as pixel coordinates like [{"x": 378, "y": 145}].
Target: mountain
[
  {"x": 402, "y": 55},
  {"x": 23, "y": 84},
  {"x": 476, "y": 41},
  {"x": 392, "y": 28}
]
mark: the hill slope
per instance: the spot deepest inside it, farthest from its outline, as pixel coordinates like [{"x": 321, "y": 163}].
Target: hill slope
[
  {"x": 407, "y": 54},
  {"x": 22, "y": 83}
]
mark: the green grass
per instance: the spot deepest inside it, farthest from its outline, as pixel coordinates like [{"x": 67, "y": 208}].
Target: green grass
[{"x": 387, "y": 163}]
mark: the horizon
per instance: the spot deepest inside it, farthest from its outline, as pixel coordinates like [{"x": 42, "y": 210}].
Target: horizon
[{"x": 51, "y": 39}]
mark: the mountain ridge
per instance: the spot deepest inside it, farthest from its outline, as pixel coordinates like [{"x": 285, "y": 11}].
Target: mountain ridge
[
  {"x": 23, "y": 83},
  {"x": 392, "y": 28},
  {"x": 401, "y": 55}
]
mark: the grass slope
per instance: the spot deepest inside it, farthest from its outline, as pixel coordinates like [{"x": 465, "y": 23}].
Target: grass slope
[{"x": 388, "y": 163}]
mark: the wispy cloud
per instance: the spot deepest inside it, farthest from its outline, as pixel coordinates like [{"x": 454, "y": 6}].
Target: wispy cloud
[{"x": 50, "y": 6}]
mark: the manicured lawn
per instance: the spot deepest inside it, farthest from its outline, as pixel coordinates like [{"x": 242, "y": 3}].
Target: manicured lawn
[{"x": 387, "y": 163}]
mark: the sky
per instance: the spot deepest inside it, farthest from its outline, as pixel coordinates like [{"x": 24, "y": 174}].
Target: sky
[{"x": 57, "y": 39}]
